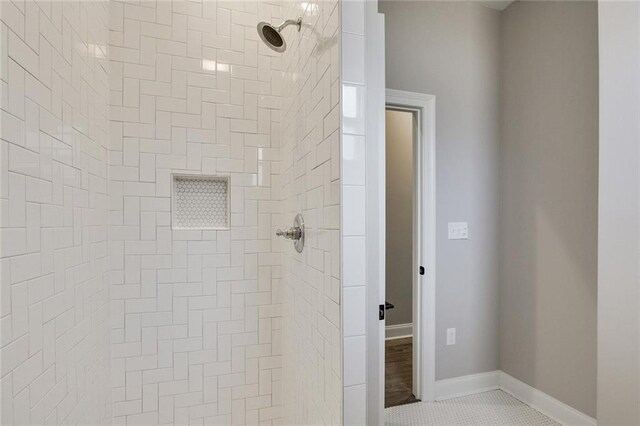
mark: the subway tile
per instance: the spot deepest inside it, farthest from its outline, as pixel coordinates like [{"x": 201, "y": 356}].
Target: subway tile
[
  {"x": 174, "y": 293},
  {"x": 352, "y": 58},
  {"x": 353, "y": 16},
  {"x": 353, "y": 160},
  {"x": 354, "y": 360},
  {"x": 354, "y": 311},
  {"x": 354, "y": 261},
  {"x": 355, "y": 405},
  {"x": 353, "y": 109},
  {"x": 353, "y": 210}
]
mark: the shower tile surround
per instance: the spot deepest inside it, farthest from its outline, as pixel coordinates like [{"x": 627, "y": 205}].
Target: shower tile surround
[
  {"x": 54, "y": 300},
  {"x": 199, "y": 315},
  {"x": 196, "y": 313},
  {"x": 201, "y": 321},
  {"x": 310, "y": 181},
  {"x": 353, "y": 218}
]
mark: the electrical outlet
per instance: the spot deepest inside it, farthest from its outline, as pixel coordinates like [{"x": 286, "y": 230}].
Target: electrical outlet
[
  {"x": 458, "y": 231},
  {"x": 451, "y": 336}
]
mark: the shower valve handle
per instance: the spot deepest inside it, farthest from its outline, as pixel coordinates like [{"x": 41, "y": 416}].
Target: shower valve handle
[{"x": 293, "y": 233}]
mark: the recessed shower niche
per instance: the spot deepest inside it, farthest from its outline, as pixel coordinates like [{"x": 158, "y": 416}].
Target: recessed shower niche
[{"x": 200, "y": 202}]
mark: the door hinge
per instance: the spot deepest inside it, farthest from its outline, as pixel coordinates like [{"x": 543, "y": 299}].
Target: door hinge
[
  {"x": 381, "y": 312},
  {"x": 422, "y": 270}
]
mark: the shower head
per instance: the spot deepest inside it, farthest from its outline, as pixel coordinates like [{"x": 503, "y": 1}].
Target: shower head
[{"x": 272, "y": 36}]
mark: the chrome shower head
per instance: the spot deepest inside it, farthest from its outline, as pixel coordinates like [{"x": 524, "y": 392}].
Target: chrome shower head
[{"x": 272, "y": 36}]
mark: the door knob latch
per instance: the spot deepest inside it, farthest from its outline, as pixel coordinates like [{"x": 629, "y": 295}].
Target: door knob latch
[{"x": 295, "y": 233}]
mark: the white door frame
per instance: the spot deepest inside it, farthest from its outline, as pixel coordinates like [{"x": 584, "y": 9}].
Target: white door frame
[{"x": 423, "y": 107}]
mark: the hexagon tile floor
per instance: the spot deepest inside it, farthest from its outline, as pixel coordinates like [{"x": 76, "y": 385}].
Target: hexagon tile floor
[{"x": 487, "y": 408}]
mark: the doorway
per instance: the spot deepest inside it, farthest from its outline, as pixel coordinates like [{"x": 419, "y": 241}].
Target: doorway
[
  {"x": 409, "y": 338},
  {"x": 400, "y": 132}
]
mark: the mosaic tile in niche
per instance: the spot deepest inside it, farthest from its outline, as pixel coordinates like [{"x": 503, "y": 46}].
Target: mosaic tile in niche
[{"x": 200, "y": 202}]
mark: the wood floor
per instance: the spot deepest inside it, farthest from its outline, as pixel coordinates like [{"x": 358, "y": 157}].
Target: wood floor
[{"x": 398, "y": 372}]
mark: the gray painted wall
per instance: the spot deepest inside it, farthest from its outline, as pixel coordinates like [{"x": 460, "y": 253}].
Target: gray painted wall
[
  {"x": 619, "y": 215},
  {"x": 549, "y": 198},
  {"x": 399, "y": 250},
  {"x": 451, "y": 50}
]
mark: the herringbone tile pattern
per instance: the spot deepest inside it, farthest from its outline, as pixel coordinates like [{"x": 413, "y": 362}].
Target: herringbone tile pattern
[
  {"x": 196, "y": 315},
  {"x": 54, "y": 328},
  {"x": 310, "y": 182}
]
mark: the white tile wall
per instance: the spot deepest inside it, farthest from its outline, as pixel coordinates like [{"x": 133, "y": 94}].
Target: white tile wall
[
  {"x": 196, "y": 314},
  {"x": 54, "y": 328},
  {"x": 199, "y": 319},
  {"x": 353, "y": 213},
  {"x": 310, "y": 175}
]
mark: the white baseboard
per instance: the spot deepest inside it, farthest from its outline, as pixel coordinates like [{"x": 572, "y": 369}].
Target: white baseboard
[
  {"x": 492, "y": 380},
  {"x": 466, "y": 385},
  {"x": 547, "y": 405},
  {"x": 398, "y": 331}
]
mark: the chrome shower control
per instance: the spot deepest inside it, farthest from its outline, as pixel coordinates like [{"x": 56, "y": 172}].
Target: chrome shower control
[
  {"x": 295, "y": 233},
  {"x": 289, "y": 234}
]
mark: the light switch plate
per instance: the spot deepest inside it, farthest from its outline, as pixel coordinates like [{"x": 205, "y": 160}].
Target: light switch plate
[
  {"x": 458, "y": 231},
  {"x": 451, "y": 336}
]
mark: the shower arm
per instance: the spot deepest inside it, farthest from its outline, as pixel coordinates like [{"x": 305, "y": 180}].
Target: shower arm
[{"x": 285, "y": 24}]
